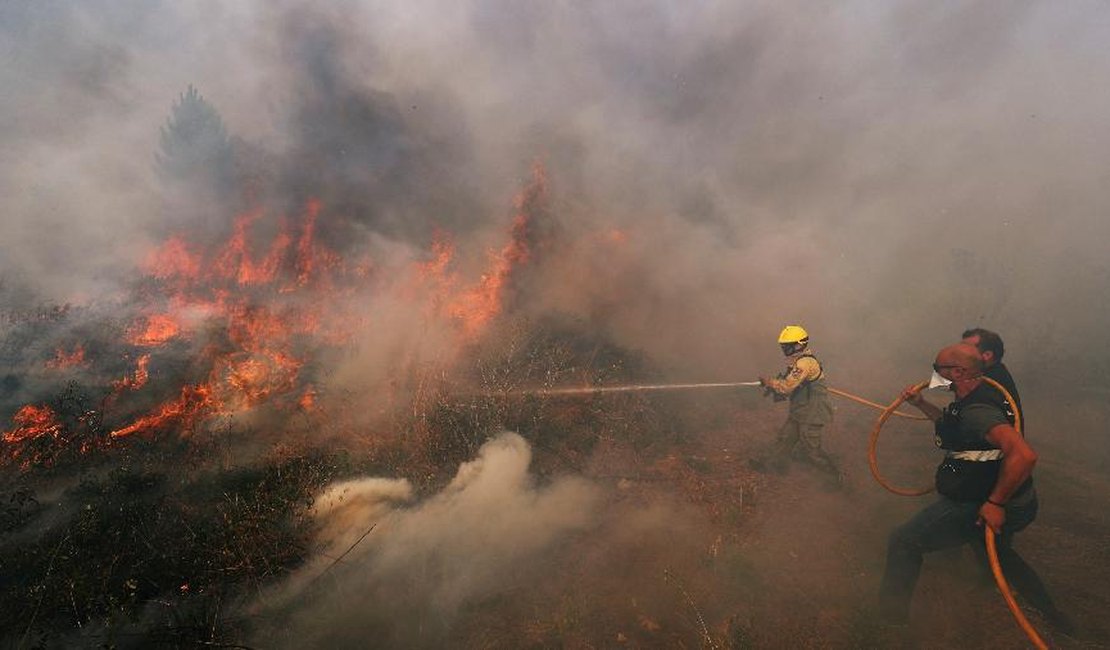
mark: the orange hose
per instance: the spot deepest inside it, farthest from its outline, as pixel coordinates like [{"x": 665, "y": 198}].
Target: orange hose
[
  {"x": 1004, "y": 587},
  {"x": 872, "y": 459},
  {"x": 867, "y": 402},
  {"x": 992, "y": 552}
]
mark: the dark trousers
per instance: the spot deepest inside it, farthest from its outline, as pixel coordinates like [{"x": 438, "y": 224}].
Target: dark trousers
[{"x": 947, "y": 524}]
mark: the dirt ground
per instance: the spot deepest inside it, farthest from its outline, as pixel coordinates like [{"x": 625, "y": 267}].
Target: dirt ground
[{"x": 699, "y": 551}]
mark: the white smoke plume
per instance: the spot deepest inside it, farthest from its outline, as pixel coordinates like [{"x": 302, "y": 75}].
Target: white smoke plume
[{"x": 490, "y": 530}]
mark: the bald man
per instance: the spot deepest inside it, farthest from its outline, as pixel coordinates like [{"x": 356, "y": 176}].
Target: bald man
[{"x": 986, "y": 478}]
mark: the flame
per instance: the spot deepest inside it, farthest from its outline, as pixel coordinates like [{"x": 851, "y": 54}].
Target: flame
[
  {"x": 173, "y": 259},
  {"x": 236, "y": 261},
  {"x": 63, "y": 359},
  {"x": 251, "y": 299},
  {"x": 258, "y": 377},
  {"x": 307, "y": 402},
  {"x": 475, "y": 306},
  {"x": 192, "y": 402},
  {"x": 313, "y": 260},
  {"x": 136, "y": 380},
  {"x": 154, "y": 330},
  {"x": 33, "y": 421}
]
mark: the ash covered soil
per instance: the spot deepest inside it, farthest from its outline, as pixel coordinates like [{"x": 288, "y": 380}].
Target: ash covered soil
[
  {"x": 746, "y": 560},
  {"x": 691, "y": 548}
]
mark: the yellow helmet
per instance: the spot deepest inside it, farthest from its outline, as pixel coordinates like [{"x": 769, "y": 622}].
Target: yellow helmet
[{"x": 793, "y": 334}]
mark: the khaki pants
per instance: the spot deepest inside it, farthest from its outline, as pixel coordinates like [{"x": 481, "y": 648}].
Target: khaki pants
[{"x": 801, "y": 440}]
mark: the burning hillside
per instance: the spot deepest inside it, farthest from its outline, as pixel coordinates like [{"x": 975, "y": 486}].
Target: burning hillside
[
  {"x": 214, "y": 371},
  {"x": 241, "y": 327}
]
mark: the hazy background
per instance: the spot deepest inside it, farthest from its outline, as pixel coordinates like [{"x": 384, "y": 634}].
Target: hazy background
[{"x": 883, "y": 175}]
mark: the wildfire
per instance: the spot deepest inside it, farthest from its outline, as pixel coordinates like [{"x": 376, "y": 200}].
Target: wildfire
[{"x": 264, "y": 300}]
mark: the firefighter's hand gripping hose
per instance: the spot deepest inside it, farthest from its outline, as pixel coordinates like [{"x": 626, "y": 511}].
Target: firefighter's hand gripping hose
[{"x": 992, "y": 551}]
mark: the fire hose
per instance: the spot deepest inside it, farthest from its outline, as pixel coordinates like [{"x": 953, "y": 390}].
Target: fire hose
[
  {"x": 992, "y": 551},
  {"x": 657, "y": 387}
]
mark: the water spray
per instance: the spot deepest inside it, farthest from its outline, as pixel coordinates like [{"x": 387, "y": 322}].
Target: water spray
[{"x": 586, "y": 390}]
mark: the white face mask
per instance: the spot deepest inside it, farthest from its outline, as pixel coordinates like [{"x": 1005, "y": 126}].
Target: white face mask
[{"x": 936, "y": 381}]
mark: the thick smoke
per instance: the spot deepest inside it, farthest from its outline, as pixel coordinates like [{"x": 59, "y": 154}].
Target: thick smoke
[
  {"x": 879, "y": 173},
  {"x": 885, "y": 174},
  {"x": 401, "y": 574}
]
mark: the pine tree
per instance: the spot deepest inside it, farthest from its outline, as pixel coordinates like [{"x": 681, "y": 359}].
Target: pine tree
[{"x": 195, "y": 148}]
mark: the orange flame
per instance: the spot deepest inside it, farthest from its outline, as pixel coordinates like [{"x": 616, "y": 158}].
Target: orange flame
[
  {"x": 32, "y": 422},
  {"x": 474, "y": 308},
  {"x": 192, "y": 401},
  {"x": 156, "y": 330},
  {"x": 173, "y": 259},
  {"x": 236, "y": 261},
  {"x": 136, "y": 380},
  {"x": 260, "y": 363}
]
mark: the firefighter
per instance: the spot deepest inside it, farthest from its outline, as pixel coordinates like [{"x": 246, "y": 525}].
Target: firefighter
[{"x": 803, "y": 383}]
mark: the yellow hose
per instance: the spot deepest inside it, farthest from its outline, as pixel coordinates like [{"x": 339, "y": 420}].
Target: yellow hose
[{"x": 992, "y": 551}]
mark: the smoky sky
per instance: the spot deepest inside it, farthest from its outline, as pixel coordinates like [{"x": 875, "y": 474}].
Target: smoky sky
[{"x": 885, "y": 174}]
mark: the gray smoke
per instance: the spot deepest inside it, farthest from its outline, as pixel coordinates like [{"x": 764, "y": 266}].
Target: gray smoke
[{"x": 877, "y": 173}]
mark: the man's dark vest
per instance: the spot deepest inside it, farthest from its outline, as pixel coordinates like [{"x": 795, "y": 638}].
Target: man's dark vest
[
  {"x": 961, "y": 479},
  {"x": 1000, "y": 373}
]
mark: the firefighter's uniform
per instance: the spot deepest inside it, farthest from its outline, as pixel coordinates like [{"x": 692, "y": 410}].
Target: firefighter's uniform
[{"x": 803, "y": 383}]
